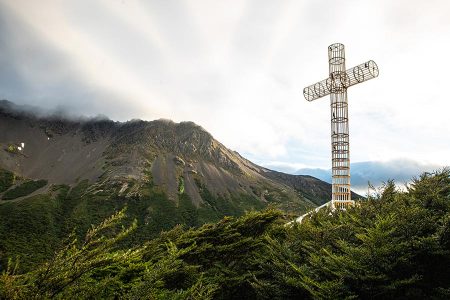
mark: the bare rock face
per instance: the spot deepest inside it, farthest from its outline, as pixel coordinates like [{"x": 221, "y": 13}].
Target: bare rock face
[{"x": 176, "y": 157}]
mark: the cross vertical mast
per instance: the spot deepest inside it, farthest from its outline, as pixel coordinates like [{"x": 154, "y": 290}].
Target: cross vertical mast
[{"x": 340, "y": 151}]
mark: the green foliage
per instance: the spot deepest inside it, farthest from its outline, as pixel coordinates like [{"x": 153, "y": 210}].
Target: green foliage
[
  {"x": 24, "y": 189},
  {"x": 6, "y": 180},
  {"x": 74, "y": 261},
  {"x": 188, "y": 212},
  {"x": 394, "y": 246},
  {"x": 29, "y": 229},
  {"x": 227, "y": 252},
  {"x": 95, "y": 268},
  {"x": 12, "y": 149},
  {"x": 181, "y": 185},
  {"x": 216, "y": 207}
]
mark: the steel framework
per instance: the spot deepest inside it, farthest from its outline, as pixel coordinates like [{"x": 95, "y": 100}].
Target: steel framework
[{"x": 336, "y": 86}]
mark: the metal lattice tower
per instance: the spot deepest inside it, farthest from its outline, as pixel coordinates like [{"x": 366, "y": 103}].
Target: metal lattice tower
[{"x": 336, "y": 86}]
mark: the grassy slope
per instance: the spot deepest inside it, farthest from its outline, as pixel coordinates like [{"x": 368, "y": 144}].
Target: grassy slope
[
  {"x": 34, "y": 227},
  {"x": 24, "y": 189}
]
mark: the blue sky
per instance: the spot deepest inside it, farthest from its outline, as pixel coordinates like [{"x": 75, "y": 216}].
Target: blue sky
[{"x": 238, "y": 69}]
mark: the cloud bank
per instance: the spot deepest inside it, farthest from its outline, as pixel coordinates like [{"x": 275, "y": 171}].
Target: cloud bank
[
  {"x": 402, "y": 171},
  {"x": 239, "y": 70}
]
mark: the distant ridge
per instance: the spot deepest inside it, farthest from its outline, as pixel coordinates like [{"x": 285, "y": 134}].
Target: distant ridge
[{"x": 377, "y": 172}]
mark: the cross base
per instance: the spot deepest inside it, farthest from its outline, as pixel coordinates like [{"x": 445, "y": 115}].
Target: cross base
[{"x": 342, "y": 204}]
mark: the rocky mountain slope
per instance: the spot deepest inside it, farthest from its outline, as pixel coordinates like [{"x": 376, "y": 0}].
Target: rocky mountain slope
[
  {"x": 57, "y": 174},
  {"x": 173, "y": 156}
]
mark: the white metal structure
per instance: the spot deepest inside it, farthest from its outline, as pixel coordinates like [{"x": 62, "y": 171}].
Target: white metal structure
[{"x": 336, "y": 86}]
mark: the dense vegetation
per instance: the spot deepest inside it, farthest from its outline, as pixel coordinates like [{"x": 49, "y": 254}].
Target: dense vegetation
[
  {"x": 394, "y": 246},
  {"x": 33, "y": 227},
  {"x": 24, "y": 189},
  {"x": 6, "y": 180}
]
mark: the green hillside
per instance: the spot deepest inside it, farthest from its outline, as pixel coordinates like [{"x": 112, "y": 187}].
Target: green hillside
[
  {"x": 395, "y": 246},
  {"x": 32, "y": 228}
]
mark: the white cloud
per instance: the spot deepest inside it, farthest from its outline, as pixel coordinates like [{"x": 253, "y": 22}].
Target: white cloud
[{"x": 239, "y": 70}]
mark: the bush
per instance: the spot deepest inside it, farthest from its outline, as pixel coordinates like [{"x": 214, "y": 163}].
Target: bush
[
  {"x": 6, "y": 180},
  {"x": 24, "y": 189},
  {"x": 12, "y": 149}
]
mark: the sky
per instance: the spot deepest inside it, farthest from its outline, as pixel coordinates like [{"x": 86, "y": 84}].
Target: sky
[{"x": 238, "y": 68}]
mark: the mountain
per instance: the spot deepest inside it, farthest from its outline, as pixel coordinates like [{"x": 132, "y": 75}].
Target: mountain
[
  {"x": 64, "y": 151},
  {"x": 376, "y": 172},
  {"x": 58, "y": 173}
]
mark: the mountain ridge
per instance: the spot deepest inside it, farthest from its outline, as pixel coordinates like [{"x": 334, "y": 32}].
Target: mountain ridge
[
  {"x": 97, "y": 148},
  {"x": 57, "y": 174}
]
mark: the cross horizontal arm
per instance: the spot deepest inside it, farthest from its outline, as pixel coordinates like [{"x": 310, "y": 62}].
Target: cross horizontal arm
[{"x": 355, "y": 75}]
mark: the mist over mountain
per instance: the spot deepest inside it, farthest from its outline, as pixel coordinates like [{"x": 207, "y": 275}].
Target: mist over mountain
[{"x": 37, "y": 112}]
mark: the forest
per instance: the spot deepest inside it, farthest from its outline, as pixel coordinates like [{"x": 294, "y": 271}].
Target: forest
[{"x": 394, "y": 245}]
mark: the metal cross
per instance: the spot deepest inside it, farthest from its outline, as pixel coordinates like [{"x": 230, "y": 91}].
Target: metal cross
[{"x": 336, "y": 86}]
